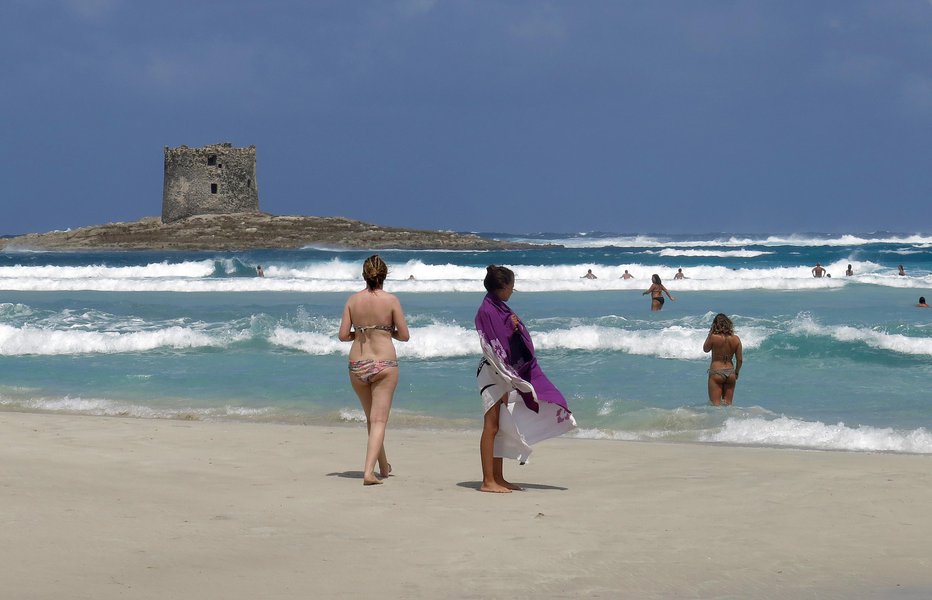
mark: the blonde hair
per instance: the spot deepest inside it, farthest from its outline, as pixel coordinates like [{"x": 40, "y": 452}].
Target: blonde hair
[
  {"x": 374, "y": 271},
  {"x": 722, "y": 325}
]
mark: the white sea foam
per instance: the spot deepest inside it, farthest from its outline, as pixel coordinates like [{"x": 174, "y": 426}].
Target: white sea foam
[
  {"x": 337, "y": 275},
  {"x": 894, "y": 342},
  {"x": 712, "y": 253},
  {"x": 453, "y": 341},
  {"x": 353, "y": 415},
  {"x": 188, "y": 269},
  {"x": 785, "y": 431},
  {"x": 646, "y": 241},
  {"x": 755, "y": 428},
  {"x": 119, "y": 408},
  {"x": 16, "y": 341},
  {"x": 318, "y": 344}
]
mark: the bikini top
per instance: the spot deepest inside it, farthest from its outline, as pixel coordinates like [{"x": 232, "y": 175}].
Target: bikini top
[{"x": 388, "y": 328}]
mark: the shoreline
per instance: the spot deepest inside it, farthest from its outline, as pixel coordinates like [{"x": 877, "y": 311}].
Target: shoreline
[
  {"x": 110, "y": 507},
  {"x": 403, "y": 420}
]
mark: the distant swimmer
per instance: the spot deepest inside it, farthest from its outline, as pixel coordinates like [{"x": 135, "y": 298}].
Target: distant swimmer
[
  {"x": 849, "y": 272},
  {"x": 259, "y": 271},
  {"x": 922, "y": 302},
  {"x": 723, "y": 373},
  {"x": 817, "y": 270},
  {"x": 627, "y": 275},
  {"x": 410, "y": 277},
  {"x": 656, "y": 291},
  {"x": 902, "y": 271},
  {"x": 679, "y": 274},
  {"x": 589, "y": 275}
]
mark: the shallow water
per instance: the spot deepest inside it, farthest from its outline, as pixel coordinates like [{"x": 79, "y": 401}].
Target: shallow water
[{"x": 841, "y": 362}]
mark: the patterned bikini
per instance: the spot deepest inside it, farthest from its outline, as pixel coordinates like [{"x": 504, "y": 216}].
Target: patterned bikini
[{"x": 366, "y": 369}]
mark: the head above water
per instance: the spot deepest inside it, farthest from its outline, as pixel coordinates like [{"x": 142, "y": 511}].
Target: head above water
[
  {"x": 497, "y": 278},
  {"x": 374, "y": 271},
  {"x": 655, "y": 278},
  {"x": 722, "y": 325},
  {"x": 922, "y": 299}
]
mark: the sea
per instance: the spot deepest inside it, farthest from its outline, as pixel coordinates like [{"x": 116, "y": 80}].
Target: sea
[{"x": 837, "y": 363}]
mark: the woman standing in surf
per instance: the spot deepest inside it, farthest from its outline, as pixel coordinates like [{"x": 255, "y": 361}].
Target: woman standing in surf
[
  {"x": 723, "y": 373},
  {"x": 656, "y": 291}
]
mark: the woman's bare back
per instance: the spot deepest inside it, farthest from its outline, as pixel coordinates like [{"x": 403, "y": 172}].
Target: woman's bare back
[{"x": 375, "y": 317}]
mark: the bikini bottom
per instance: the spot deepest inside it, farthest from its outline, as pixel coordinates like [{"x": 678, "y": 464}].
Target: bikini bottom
[
  {"x": 723, "y": 373},
  {"x": 365, "y": 370}
]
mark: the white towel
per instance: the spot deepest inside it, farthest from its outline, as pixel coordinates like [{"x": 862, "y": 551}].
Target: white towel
[{"x": 519, "y": 427}]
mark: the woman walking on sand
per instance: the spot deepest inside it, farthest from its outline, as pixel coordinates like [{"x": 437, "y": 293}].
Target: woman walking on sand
[
  {"x": 371, "y": 319},
  {"x": 656, "y": 291},
  {"x": 521, "y": 406},
  {"x": 723, "y": 374}
]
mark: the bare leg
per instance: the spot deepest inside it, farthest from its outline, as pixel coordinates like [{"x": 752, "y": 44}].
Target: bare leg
[
  {"x": 497, "y": 464},
  {"x": 486, "y": 453},
  {"x": 655, "y": 305},
  {"x": 715, "y": 390},
  {"x": 728, "y": 389},
  {"x": 376, "y": 400}
]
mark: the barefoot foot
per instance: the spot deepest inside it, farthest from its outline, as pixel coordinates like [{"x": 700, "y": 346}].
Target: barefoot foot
[
  {"x": 383, "y": 473},
  {"x": 509, "y": 485},
  {"x": 494, "y": 488}
]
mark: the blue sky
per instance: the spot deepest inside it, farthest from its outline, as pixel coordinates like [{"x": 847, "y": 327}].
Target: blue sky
[{"x": 520, "y": 116}]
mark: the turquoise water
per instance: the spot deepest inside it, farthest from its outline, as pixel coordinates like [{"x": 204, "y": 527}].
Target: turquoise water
[{"x": 841, "y": 362}]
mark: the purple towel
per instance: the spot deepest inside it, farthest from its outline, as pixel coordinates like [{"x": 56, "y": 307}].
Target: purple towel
[{"x": 514, "y": 346}]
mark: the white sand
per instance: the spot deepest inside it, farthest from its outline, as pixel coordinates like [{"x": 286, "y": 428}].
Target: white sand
[{"x": 120, "y": 508}]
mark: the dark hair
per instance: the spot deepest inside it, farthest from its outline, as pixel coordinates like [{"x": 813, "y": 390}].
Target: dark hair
[
  {"x": 497, "y": 278},
  {"x": 721, "y": 324},
  {"x": 374, "y": 271},
  {"x": 655, "y": 278},
  {"x": 922, "y": 299}
]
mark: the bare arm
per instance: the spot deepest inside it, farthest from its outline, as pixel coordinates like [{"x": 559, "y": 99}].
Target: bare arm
[
  {"x": 738, "y": 357},
  {"x": 707, "y": 346},
  {"x": 401, "y": 332},
  {"x": 345, "y": 334},
  {"x": 664, "y": 289}
]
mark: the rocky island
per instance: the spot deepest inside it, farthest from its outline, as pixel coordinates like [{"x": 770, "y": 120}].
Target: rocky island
[
  {"x": 251, "y": 230},
  {"x": 210, "y": 201}
]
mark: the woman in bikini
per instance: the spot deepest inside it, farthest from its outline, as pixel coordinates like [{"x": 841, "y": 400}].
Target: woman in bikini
[
  {"x": 723, "y": 373},
  {"x": 371, "y": 319},
  {"x": 656, "y": 291}
]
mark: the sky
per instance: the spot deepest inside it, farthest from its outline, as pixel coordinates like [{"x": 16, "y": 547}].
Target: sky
[{"x": 515, "y": 116}]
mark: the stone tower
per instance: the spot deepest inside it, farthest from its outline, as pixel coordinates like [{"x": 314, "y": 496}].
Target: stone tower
[{"x": 214, "y": 179}]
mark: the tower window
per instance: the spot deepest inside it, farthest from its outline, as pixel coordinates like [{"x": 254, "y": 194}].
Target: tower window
[
  {"x": 213, "y": 188},
  {"x": 211, "y": 160},
  {"x": 249, "y": 183}
]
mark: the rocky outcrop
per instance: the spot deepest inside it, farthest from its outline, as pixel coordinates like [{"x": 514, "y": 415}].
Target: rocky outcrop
[{"x": 244, "y": 231}]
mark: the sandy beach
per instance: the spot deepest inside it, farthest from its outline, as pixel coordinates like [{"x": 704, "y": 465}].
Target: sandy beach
[{"x": 95, "y": 507}]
